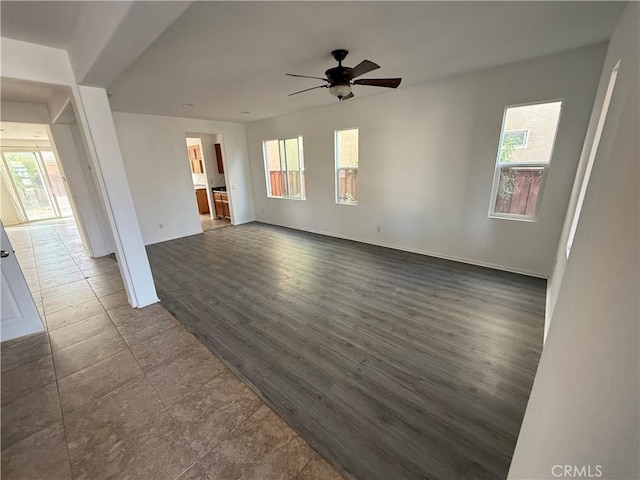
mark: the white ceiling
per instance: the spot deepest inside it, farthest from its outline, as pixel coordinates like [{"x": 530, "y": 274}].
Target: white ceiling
[
  {"x": 19, "y": 91},
  {"x": 229, "y": 57},
  {"x": 23, "y": 131},
  {"x": 44, "y": 23}
]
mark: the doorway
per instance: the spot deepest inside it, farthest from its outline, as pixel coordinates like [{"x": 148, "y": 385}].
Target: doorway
[
  {"x": 32, "y": 183},
  {"x": 207, "y": 171}
]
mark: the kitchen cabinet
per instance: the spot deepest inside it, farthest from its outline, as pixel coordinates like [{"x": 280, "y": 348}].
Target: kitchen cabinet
[
  {"x": 219, "y": 158},
  {"x": 195, "y": 157},
  {"x": 221, "y": 203},
  {"x": 201, "y": 199}
]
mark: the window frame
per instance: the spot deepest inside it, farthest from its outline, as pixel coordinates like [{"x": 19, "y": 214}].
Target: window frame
[
  {"x": 593, "y": 151},
  {"x": 337, "y": 168},
  {"x": 285, "y": 178},
  {"x": 526, "y": 137},
  {"x": 544, "y": 165}
]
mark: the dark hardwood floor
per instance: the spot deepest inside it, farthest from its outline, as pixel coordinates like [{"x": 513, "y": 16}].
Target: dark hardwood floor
[{"x": 393, "y": 365}]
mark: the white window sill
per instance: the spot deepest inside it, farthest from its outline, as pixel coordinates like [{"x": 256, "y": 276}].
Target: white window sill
[
  {"x": 514, "y": 217},
  {"x": 287, "y": 198}
]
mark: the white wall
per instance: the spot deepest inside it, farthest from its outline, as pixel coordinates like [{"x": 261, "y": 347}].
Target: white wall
[
  {"x": 24, "y": 112},
  {"x": 427, "y": 158},
  {"x": 584, "y": 405},
  {"x": 58, "y": 103},
  {"x": 8, "y": 212},
  {"x": 555, "y": 279},
  {"x": 155, "y": 158},
  {"x": 36, "y": 63},
  {"x": 89, "y": 206}
]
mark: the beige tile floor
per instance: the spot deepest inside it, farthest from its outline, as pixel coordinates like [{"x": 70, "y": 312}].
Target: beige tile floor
[
  {"x": 209, "y": 224},
  {"x": 112, "y": 392}
]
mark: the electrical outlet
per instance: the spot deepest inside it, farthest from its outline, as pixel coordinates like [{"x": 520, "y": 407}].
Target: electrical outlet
[
  {"x": 378, "y": 228},
  {"x": 160, "y": 225}
]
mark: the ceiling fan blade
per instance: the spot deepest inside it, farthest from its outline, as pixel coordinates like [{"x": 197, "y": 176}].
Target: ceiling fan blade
[
  {"x": 307, "y": 89},
  {"x": 305, "y": 76},
  {"x": 379, "y": 82},
  {"x": 347, "y": 97},
  {"x": 363, "y": 67}
]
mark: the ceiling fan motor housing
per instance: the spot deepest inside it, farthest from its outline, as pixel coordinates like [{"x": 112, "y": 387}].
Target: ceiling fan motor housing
[{"x": 339, "y": 75}]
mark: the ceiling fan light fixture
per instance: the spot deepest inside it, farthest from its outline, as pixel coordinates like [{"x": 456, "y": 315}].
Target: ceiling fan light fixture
[
  {"x": 340, "y": 90},
  {"x": 340, "y": 79}
]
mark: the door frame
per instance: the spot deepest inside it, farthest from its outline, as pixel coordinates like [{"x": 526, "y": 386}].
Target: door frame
[
  {"x": 204, "y": 172},
  {"x": 220, "y": 140}
]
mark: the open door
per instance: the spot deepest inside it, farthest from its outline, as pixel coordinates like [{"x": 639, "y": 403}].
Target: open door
[{"x": 19, "y": 315}]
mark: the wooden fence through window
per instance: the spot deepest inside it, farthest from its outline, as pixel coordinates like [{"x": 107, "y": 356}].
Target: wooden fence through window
[
  {"x": 518, "y": 190},
  {"x": 276, "y": 183},
  {"x": 347, "y": 185}
]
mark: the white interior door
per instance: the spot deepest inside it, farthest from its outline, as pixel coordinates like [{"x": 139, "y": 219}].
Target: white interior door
[{"x": 19, "y": 315}]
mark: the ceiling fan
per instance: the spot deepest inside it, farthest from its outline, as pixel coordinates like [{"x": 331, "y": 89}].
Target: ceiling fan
[{"x": 340, "y": 79}]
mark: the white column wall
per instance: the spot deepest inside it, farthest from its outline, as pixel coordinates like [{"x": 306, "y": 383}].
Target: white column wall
[{"x": 130, "y": 251}]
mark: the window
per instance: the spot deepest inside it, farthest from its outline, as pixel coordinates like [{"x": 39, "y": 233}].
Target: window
[
  {"x": 34, "y": 183},
  {"x": 592, "y": 155},
  {"x": 284, "y": 166},
  {"x": 526, "y": 145},
  {"x": 517, "y": 138},
  {"x": 346, "y": 142}
]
